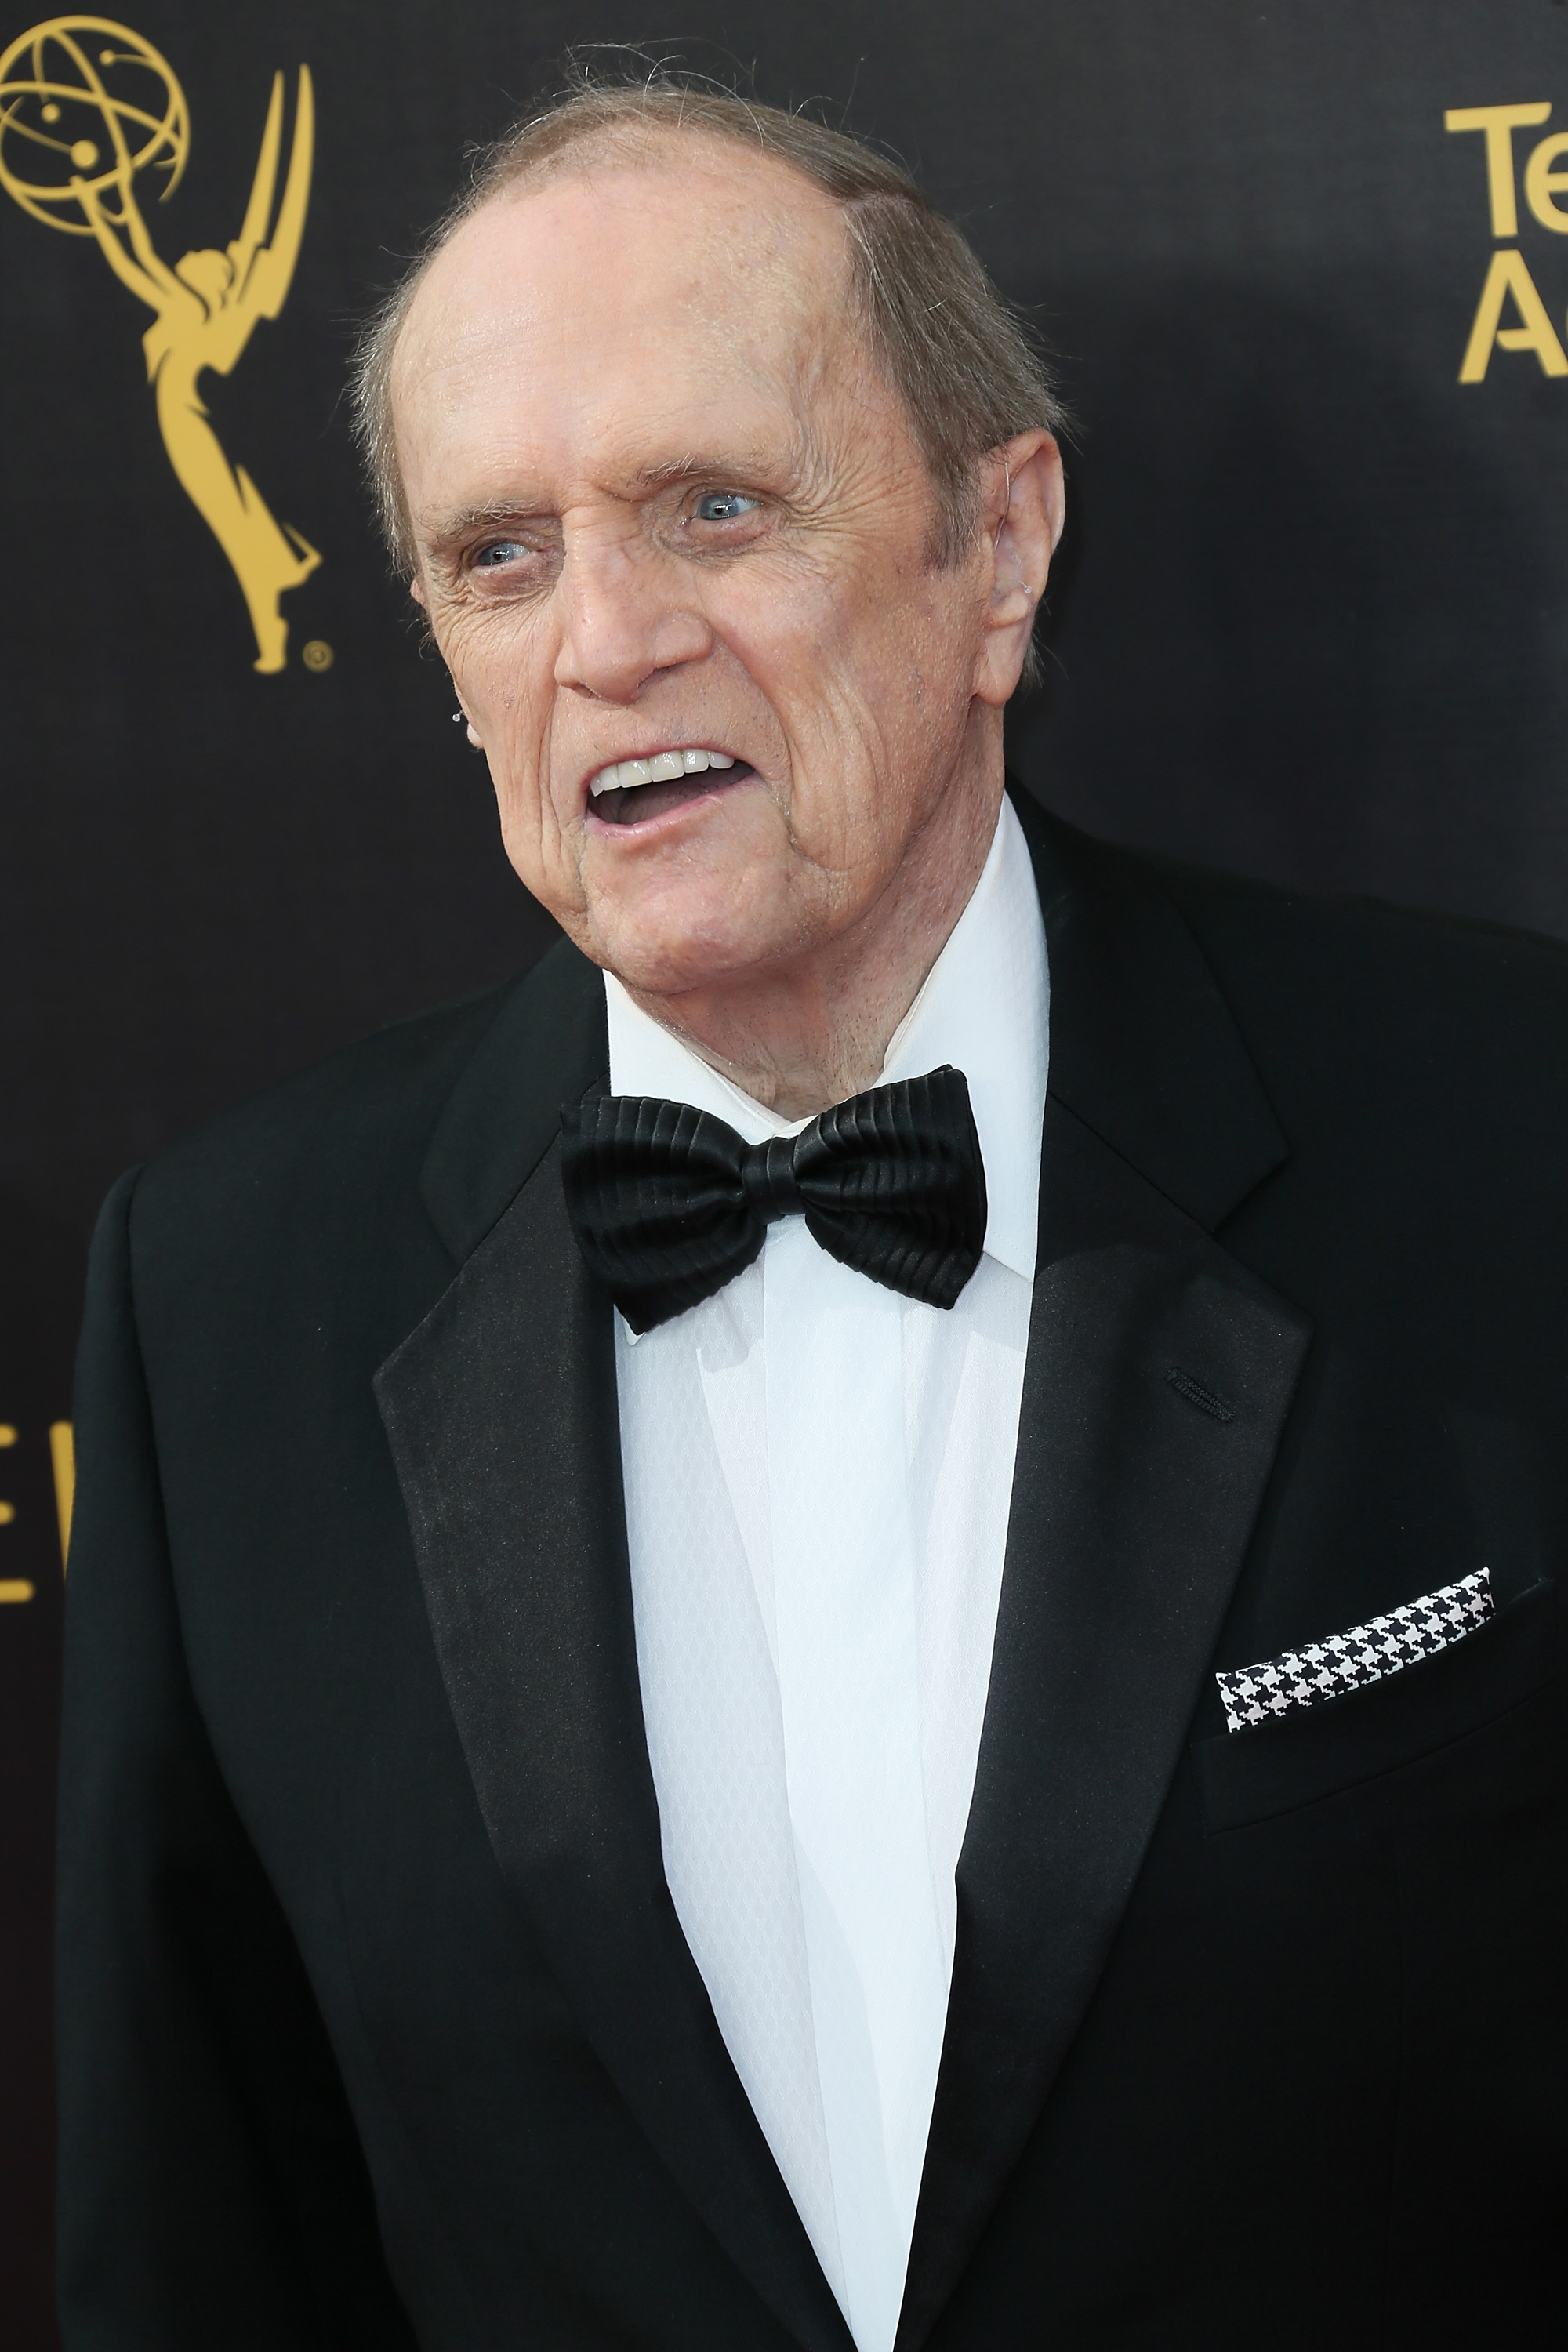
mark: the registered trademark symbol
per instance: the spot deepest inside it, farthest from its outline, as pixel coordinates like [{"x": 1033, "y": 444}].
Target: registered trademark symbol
[{"x": 317, "y": 654}]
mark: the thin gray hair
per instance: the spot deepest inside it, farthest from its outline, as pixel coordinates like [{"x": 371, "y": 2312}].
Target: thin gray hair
[{"x": 967, "y": 370}]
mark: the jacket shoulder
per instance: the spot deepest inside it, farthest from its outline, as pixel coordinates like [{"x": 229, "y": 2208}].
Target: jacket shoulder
[
  {"x": 326, "y": 1163},
  {"x": 1403, "y": 1054},
  {"x": 400, "y": 1149},
  {"x": 376, "y": 1097},
  {"x": 1276, "y": 922},
  {"x": 1397, "y": 992},
  {"x": 1418, "y": 1063}
]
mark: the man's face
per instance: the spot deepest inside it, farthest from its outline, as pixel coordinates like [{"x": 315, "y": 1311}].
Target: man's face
[{"x": 668, "y": 511}]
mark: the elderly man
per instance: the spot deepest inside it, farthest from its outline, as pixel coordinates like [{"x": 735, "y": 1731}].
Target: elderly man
[{"x": 837, "y": 1625}]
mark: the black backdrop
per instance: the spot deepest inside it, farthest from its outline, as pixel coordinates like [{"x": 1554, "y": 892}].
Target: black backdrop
[{"x": 1310, "y": 621}]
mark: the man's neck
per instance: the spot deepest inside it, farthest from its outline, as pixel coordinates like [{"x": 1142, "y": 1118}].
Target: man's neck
[{"x": 803, "y": 1034}]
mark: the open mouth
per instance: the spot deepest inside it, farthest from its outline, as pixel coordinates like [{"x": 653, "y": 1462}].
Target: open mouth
[{"x": 634, "y": 792}]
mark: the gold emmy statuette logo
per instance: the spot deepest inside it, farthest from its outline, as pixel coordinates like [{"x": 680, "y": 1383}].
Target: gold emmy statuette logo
[{"x": 85, "y": 106}]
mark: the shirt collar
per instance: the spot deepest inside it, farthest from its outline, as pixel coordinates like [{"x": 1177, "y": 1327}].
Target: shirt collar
[{"x": 985, "y": 1007}]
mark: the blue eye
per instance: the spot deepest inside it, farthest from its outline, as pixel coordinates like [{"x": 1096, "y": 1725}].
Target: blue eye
[
  {"x": 504, "y": 550},
  {"x": 723, "y": 505}
]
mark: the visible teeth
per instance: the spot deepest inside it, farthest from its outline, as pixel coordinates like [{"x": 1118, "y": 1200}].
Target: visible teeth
[{"x": 661, "y": 769}]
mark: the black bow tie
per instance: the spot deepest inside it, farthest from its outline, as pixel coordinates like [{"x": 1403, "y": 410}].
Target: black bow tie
[{"x": 669, "y": 1203}]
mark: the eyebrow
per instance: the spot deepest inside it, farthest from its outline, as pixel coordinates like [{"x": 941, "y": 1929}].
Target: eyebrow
[
  {"x": 486, "y": 516},
  {"x": 694, "y": 468}
]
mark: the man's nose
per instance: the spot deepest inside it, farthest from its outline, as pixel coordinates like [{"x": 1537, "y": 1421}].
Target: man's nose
[{"x": 627, "y": 613}]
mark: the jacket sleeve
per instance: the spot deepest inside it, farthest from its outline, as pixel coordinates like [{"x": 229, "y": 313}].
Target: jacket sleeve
[{"x": 211, "y": 2189}]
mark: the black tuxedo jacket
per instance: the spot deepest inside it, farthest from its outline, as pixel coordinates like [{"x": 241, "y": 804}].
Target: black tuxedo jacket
[{"x": 378, "y": 2026}]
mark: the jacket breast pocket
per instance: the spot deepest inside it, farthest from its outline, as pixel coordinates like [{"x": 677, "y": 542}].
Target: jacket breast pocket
[{"x": 1273, "y": 1768}]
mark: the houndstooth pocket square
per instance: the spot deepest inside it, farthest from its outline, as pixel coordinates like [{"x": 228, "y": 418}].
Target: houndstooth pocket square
[{"x": 1365, "y": 1654}]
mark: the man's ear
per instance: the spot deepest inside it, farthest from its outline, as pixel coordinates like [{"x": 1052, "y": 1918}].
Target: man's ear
[
  {"x": 1025, "y": 507},
  {"x": 417, "y": 590}
]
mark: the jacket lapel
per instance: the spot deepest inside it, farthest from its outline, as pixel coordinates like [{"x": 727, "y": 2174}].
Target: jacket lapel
[
  {"x": 1134, "y": 1499},
  {"x": 502, "y": 1414}
]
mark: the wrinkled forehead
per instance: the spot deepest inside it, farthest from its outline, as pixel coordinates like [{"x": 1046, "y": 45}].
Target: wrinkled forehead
[{"x": 688, "y": 248}]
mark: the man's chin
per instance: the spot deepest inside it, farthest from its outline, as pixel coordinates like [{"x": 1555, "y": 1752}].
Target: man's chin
[
  {"x": 700, "y": 918},
  {"x": 674, "y": 958}
]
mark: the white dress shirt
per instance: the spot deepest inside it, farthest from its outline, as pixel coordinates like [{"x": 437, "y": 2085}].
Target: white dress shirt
[{"x": 818, "y": 1473}]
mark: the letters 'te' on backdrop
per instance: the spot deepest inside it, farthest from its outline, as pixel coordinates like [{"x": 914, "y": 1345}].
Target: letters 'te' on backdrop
[{"x": 1306, "y": 271}]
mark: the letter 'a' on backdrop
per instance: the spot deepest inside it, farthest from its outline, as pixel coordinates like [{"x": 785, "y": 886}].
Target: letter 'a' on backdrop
[{"x": 1305, "y": 271}]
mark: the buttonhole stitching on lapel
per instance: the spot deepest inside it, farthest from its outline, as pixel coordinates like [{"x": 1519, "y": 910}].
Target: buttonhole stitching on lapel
[{"x": 1195, "y": 1394}]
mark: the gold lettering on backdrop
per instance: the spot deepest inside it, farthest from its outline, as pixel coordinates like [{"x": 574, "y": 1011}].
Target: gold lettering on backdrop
[
  {"x": 12, "y": 1588},
  {"x": 1500, "y": 123},
  {"x": 62, "y": 1457},
  {"x": 1508, "y": 275},
  {"x": 85, "y": 106},
  {"x": 1541, "y": 183}
]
